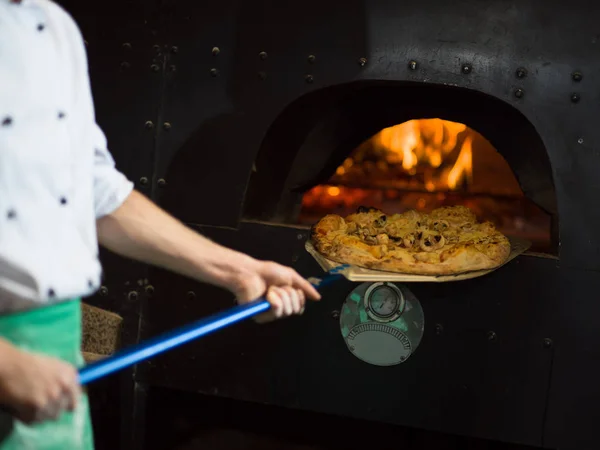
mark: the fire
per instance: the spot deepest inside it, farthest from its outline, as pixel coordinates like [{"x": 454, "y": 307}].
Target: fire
[
  {"x": 425, "y": 164},
  {"x": 334, "y": 191},
  {"x": 424, "y": 155},
  {"x": 463, "y": 165},
  {"x": 428, "y": 142}
]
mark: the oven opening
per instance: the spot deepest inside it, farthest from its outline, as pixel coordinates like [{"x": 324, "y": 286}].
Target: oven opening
[
  {"x": 400, "y": 146},
  {"x": 424, "y": 164}
]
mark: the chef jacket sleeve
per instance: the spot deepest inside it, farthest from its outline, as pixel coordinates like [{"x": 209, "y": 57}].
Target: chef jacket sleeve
[{"x": 111, "y": 187}]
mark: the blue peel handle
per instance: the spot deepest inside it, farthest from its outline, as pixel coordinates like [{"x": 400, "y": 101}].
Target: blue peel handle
[{"x": 172, "y": 339}]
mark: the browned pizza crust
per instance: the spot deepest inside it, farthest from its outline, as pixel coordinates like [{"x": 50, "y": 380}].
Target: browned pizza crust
[{"x": 447, "y": 241}]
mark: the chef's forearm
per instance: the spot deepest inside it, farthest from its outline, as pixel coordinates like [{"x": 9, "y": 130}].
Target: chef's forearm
[{"x": 142, "y": 231}]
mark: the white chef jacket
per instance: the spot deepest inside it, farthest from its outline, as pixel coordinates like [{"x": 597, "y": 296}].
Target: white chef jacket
[{"x": 56, "y": 174}]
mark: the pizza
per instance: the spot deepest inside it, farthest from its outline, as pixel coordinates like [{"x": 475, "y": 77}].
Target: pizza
[{"x": 447, "y": 241}]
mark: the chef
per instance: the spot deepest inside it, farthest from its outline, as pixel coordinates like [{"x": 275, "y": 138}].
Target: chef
[{"x": 61, "y": 196}]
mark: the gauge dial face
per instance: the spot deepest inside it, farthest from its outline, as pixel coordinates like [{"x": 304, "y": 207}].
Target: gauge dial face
[{"x": 384, "y": 301}]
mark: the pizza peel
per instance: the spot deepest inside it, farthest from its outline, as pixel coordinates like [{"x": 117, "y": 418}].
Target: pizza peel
[
  {"x": 187, "y": 333},
  {"x": 360, "y": 274}
]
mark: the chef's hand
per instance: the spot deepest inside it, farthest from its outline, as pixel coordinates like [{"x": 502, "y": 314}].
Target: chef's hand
[
  {"x": 36, "y": 388},
  {"x": 283, "y": 287}
]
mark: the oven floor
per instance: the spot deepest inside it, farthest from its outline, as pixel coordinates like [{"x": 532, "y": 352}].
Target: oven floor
[{"x": 184, "y": 421}]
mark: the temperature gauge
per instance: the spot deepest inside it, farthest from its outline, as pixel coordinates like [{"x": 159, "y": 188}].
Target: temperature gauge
[
  {"x": 382, "y": 323},
  {"x": 384, "y": 302}
]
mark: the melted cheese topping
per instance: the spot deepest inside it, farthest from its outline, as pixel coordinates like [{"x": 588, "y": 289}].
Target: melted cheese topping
[{"x": 408, "y": 236}]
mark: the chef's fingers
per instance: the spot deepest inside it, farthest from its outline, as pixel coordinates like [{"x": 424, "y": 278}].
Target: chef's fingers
[
  {"x": 300, "y": 283},
  {"x": 51, "y": 410},
  {"x": 275, "y": 300},
  {"x": 54, "y": 410},
  {"x": 293, "y": 307},
  {"x": 300, "y": 300},
  {"x": 72, "y": 397},
  {"x": 71, "y": 389},
  {"x": 286, "y": 293}
]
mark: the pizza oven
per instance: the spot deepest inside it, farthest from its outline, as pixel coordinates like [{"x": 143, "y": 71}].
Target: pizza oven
[{"x": 250, "y": 120}]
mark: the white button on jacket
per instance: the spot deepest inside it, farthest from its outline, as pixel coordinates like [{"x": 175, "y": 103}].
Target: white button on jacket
[{"x": 56, "y": 173}]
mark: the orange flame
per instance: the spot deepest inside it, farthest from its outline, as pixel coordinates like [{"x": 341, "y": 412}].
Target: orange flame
[
  {"x": 463, "y": 165},
  {"x": 427, "y": 142},
  {"x": 432, "y": 149}
]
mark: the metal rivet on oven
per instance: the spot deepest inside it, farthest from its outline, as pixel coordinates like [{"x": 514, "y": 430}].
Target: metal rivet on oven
[
  {"x": 309, "y": 78},
  {"x": 262, "y": 75},
  {"x": 215, "y": 51},
  {"x": 492, "y": 336},
  {"x": 125, "y": 65},
  {"x": 580, "y": 141},
  {"x": 191, "y": 295},
  {"x": 466, "y": 69},
  {"x": 577, "y": 76},
  {"x": 173, "y": 68},
  {"x": 521, "y": 72},
  {"x": 161, "y": 182},
  {"x": 439, "y": 329},
  {"x": 300, "y": 237},
  {"x": 311, "y": 58},
  {"x": 155, "y": 67},
  {"x": 575, "y": 97},
  {"x": 548, "y": 343},
  {"x": 174, "y": 49},
  {"x": 214, "y": 72},
  {"x": 519, "y": 93},
  {"x": 133, "y": 295},
  {"x": 156, "y": 48},
  {"x": 149, "y": 124},
  {"x": 335, "y": 314},
  {"x": 263, "y": 55},
  {"x": 149, "y": 290},
  {"x": 362, "y": 62},
  {"x": 143, "y": 181},
  {"x": 103, "y": 291},
  {"x": 126, "y": 46},
  {"x": 413, "y": 65},
  {"x": 167, "y": 126}
]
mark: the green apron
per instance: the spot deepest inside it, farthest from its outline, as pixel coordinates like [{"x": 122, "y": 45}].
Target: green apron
[{"x": 54, "y": 331}]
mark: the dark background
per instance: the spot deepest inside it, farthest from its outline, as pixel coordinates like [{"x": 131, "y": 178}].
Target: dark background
[{"x": 517, "y": 358}]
